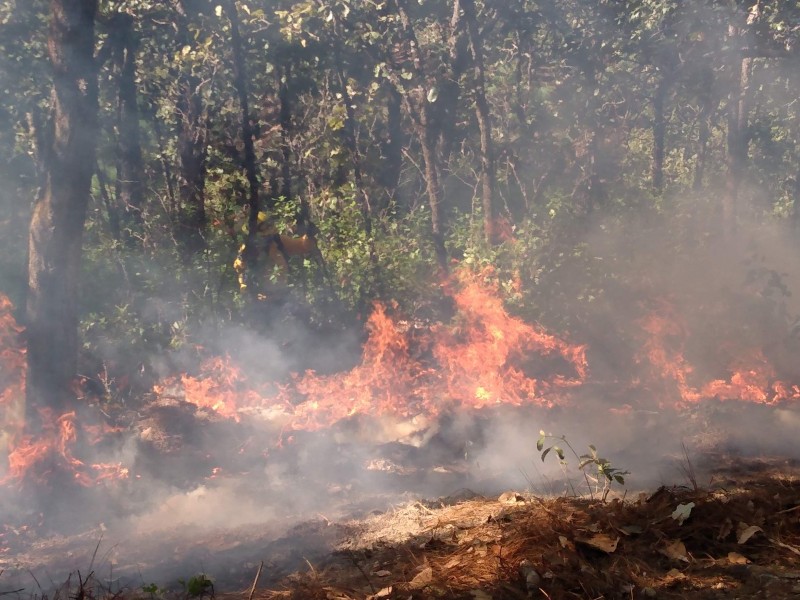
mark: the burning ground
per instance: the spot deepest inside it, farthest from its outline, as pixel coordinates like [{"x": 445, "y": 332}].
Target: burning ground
[{"x": 224, "y": 465}]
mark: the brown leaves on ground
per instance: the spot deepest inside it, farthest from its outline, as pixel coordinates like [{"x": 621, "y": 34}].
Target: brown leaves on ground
[{"x": 739, "y": 541}]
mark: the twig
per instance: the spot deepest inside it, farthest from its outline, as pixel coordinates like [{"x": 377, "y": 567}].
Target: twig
[
  {"x": 688, "y": 468},
  {"x": 94, "y": 554},
  {"x": 793, "y": 549},
  {"x": 788, "y": 510},
  {"x": 358, "y": 566},
  {"x": 12, "y": 592},
  {"x": 255, "y": 581}
]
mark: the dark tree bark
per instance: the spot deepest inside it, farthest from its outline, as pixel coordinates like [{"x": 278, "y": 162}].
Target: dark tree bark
[
  {"x": 249, "y": 158},
  {"x": 484, "y": 118},
  {"x": 56, "y": 229},
  {"x": 192, "y": 139}
]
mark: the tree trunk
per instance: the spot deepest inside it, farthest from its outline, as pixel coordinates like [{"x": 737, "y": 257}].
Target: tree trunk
[
  {"x": 249, "y": 158},
  {"x": 392, "y": 146},
  {"x": 192, "y": 137},
  {"x": 737, "y": 148},
  {"x": 285, "y": 116},
  {"x": 659, "y": 129},
  {"x": 130, "y": 167},
  {"x": 56, "y": 229},
  {"x": 445, "y": 109},
  {"x": 484, "y": 118},
  {"x": 421, "y": 115},
  {"x": 704, "y": 129}
]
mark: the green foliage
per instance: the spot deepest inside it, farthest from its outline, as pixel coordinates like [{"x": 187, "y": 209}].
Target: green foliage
[
  {"x": 153, "y": 590},
  {"x": 605, "y": 474},
  {"x": 198, "y": 586},
  {"x": 570, "y": 89}
]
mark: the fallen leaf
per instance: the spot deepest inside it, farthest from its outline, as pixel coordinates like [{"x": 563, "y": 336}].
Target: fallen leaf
[
  {"x": 674, "y": 575},
  {"x": 725, "y": 529},
  {"x": 675, "y": 550},
  {"x": 682, "y": 512},
  {"x": 737, "y": 559},
  {"x": 565, "y": 543},
  {"x": 511, "y": 498},
  {"x": 747, "y": 532},
  {"x": 422, "y": 579},
  {"x": 601, "y": 541},
  {"x": 384, "y": 593},
  {"x": 453, "y": 562},
  {"x": 630, "y": 529},
  {"x": 480, "y": 595},
  {"x": 382, "y": 573}
]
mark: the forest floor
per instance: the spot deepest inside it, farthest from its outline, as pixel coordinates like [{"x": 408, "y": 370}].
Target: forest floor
[
  {"x": 730, "y": 530},
  {"x": 739, "y": 538}
]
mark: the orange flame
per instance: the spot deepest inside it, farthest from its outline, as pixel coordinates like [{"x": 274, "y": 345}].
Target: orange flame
[
  {"x": 32, "y": 456},
  {"x": 752, "y": 378},
  {"x": 476, "y": 363}
]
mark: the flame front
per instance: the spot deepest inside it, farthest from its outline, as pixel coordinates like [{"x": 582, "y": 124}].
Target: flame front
[{"x": 408, "y": 370}]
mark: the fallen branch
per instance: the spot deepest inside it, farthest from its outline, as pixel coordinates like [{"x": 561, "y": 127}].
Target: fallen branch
[{"x": 255, "y": 581}]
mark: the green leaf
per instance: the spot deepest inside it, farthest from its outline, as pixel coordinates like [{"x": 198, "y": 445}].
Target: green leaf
[
  {"x": 433, "y": 94},
  {"x": 559, "y": 451},
  {"x": 619, "y": 479},
  {"x": 218, "y": 10},
  {"x": 540, "y": 442},
  {"x": 546, "y": 452}
]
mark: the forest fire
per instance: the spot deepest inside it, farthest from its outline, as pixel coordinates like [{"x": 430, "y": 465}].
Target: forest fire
[
  {"x": 477, "y": 362},
  {"x": 751, "y": 376},
  {"x": 34, "y": 455},
  {"x": 483, "y": 358}
]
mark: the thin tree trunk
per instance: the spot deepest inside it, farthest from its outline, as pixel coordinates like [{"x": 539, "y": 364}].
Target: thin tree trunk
[
  {"x": 659, "y": 130},
  {"x": 172, "y": 204},
  {"x": 192, "y": 137},
  {"x": 285, "y": 117},
  {"x": 445, "y": 109},
  {"x": 249, "y": 158},
  {"x": 56, "y": 229},
  {"x": 111, "y": 208},
  {"x": 704, "y": 130},
  {"x": 427, "y": 135},
  {"x": 483, "y": 115},
  {"x": 130, "y": 166},
  {"x": 737, "y": 147},
  {"x": 392, "y": 153}
]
